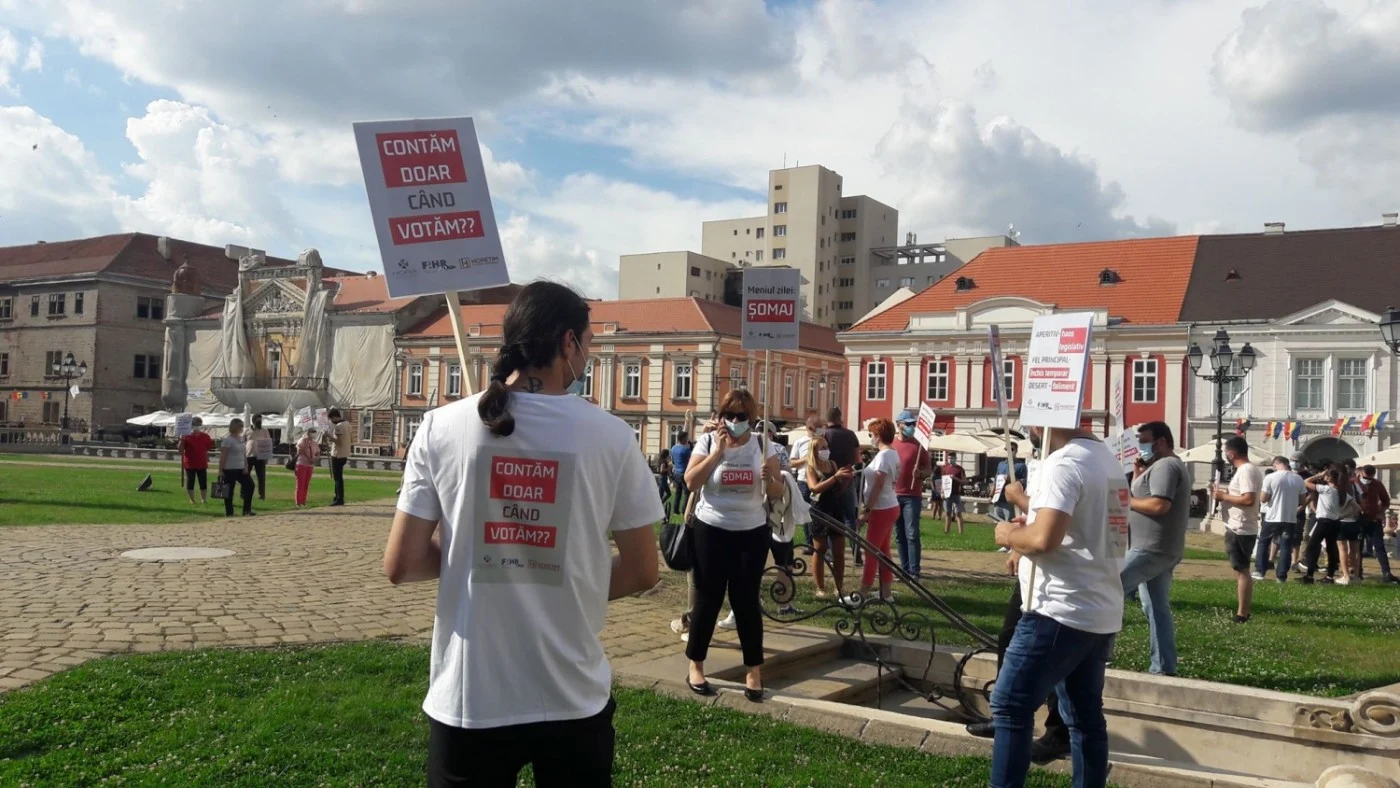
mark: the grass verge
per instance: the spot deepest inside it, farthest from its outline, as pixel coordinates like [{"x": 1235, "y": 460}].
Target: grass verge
[
  {"x": 349, "y": 715},
  {"x": 44, "y": 495}
]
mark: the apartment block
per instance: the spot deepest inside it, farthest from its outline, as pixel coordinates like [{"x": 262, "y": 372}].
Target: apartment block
[
  {"x": 671, "y": 275},
  {"x": 812, "y": 226},
  {"x": 915, "y": 266}
]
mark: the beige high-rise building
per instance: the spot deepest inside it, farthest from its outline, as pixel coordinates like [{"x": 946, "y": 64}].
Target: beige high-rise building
[
  {"x": 671, "y": 275},
  {"x": 813, "y": 227}
]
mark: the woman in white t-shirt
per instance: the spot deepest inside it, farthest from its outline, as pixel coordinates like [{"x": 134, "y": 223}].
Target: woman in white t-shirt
[
  {"x": 731, "y": 469},
  {"x": 880, "y": 506},
  {"x": 1333, "y": 493},
  {"x": 233, "y": 469},
  {"x": 508, "y": 501}
]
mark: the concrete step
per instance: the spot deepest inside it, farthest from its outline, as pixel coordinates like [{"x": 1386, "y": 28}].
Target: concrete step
[
  {"x": 785, "y": 651},
  {"x": 902, "y": 701},
  {"x": 843, "y": 680}
]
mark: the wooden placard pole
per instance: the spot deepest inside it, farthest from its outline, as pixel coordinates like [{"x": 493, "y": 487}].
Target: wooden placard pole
[{"x": 459, "y": 333}]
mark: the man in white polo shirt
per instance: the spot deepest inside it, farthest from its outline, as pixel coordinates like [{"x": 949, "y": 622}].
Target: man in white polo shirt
[{"x": 1072, "y": 544}]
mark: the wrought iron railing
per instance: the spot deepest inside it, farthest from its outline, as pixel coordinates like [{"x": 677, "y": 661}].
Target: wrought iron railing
[
  {"x": 281, "y": 383},
  {"x": 875, "y": 616}
]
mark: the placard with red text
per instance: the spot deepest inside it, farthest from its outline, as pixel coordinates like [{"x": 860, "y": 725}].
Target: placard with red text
[
  {"x": 1056, "y": 365},
  {"x": 431, "y": 206},
  {"x": 522, "y": 516},
  {"x": 772, "y": 313}
]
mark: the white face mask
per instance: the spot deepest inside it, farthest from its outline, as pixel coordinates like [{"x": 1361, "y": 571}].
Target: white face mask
[{"x": 824, "y": 455}]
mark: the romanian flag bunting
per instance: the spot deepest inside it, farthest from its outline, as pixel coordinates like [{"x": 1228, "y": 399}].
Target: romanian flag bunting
[
  {"x": 1291, "y": 430},
  {"x": 1241, "y": 426}
]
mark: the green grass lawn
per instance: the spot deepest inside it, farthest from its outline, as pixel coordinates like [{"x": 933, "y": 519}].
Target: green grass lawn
[
  {"x": 152, "y": 464},
  {"x": 349, "y": 715},
  {"x": 979, "y": 536},
  {"x": 1315, "y": 640},
  {"x": 43, "y": 495}
]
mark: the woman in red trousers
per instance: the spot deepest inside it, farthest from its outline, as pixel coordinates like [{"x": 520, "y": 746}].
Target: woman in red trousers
[
  {"x": 881, "y": 507},
  {"x": 308, "y": 450}
]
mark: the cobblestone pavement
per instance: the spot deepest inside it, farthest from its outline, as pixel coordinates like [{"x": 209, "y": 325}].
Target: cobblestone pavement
[{"x": 66, "y": 595}]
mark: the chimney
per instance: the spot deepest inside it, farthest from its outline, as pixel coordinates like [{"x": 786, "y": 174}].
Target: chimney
[
  {"x": 1388, "y": 219},
  {"x": 163, "y": 247},
  {"x": 1273, "y": 228}
]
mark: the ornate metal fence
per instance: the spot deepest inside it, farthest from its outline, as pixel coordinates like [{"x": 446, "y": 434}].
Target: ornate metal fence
[{"x": 859, "y": 617}]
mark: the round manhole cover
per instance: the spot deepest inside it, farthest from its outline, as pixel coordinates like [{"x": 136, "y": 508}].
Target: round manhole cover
[{"x": 176, "y": 553}]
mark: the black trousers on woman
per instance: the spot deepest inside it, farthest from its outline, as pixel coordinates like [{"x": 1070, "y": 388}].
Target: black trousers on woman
[
  {"x": 258, "y": 468},
  {"x": 244, "y": 482},
  {"x": 729, "y": 561},
  {"x": 1324, "y": 530}
]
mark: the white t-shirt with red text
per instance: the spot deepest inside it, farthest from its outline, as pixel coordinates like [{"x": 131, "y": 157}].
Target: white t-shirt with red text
[
  {"x": 526, "y": 558},
  {"x": 732, "y": 498},
  {"x": 1077, "y": 583}
]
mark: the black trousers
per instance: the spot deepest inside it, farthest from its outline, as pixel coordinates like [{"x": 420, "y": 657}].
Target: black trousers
[
  {"x": 338, "y": 476},
  {"x": 567, "y": 753},
  {"x": 1324, "y": 530},
  {"x": 1054, "y": 723},
  {"x": 245, "y": 489},
  {"x": 201, "y": 474},
  {"x": 730, "y": 561},
  {"x": 259, "y": 470}
]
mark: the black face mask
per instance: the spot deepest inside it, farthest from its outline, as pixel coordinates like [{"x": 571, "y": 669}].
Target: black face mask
[{"x": 1035, "y": 439}]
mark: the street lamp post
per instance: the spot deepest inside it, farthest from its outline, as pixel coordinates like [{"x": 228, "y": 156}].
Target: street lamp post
[
  {"x": 68, "y": 370},
  {"x": 1390, "y": 329},
  {"x": 1226, "y": 366}
]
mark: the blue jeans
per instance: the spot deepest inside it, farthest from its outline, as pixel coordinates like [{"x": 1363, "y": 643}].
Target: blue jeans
[
  {"x": 1373, "y": 534},
  {"x": 850, "y": 510},
  {"x": 1268, "y": 532},
  {"x": 906, "y": 530},
  {"x": 1150, "y": 574},
  {"x": 1044, "y": 655}
]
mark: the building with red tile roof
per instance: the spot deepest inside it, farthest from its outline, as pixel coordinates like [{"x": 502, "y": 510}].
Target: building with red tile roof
[
  {"x": 654, "y": 360},
  {"x": 1151, "y": 298}
]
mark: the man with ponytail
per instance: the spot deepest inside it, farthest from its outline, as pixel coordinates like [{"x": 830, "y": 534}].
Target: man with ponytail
[{"x": 508, "y": 501}]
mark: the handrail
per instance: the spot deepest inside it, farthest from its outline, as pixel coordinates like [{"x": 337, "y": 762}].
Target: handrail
[{"x": 882, "y": 617}]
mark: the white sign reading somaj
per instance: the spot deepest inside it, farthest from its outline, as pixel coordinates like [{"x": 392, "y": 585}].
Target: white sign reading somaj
[
  {"x": 771, "y": 314},
  {"x": 1056, "y": 364},
  {"x": 431, "y": 206}
]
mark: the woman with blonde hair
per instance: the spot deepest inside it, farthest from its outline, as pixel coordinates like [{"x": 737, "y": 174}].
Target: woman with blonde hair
[
  {"x": 731, "y": 469},
  {"x": 827, "y": 484}
]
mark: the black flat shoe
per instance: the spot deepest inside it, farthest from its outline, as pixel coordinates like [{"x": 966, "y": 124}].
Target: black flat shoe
[
  {"x": 754, "y": 695},
  {"x": 703, "y": 688},
  {"x": 982, "y": 730}
]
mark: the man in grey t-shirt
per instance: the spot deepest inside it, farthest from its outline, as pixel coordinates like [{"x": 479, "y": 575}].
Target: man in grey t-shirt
[{"x": 1161, "y": 506}]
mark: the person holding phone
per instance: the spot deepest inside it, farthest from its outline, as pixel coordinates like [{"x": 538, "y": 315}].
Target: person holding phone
[
  {"x": 827, "y": 484},
  {"x": 731, "y": 469}
]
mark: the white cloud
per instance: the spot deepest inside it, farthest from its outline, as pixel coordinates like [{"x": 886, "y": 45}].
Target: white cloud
[
  {"x": 1324, "y": 78},
  {"x": 34, "y": 56},
  {"x": 51, "y": 187},
  {"x": 9, "y": 56}
]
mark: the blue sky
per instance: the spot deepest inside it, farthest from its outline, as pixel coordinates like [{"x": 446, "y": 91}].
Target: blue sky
[{"x": 621, "y": 126}]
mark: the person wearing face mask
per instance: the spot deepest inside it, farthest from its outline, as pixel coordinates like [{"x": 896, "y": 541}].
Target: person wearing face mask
[
  {"x": 1241, "y": 499},
  {"x": 1072, "y": 543},
  {"x": 732, "y": 470},
  {"x": 1375, "y": 500},
  {"x": 827, "y": 483},
  {"x": 509, "y": 501},
  {"x": 1159, "y": 509},
  {"x": 915, "y": 465}
]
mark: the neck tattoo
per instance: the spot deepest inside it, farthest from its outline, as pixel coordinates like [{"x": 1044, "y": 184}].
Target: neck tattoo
[{"x": 533, "y": 384}]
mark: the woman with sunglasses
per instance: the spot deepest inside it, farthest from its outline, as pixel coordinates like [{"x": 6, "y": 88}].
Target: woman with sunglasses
[{"x": 731, "y": 469}]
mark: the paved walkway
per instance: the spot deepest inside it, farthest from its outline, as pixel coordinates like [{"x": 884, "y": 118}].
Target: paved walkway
[{"x": 66, "y": 595}]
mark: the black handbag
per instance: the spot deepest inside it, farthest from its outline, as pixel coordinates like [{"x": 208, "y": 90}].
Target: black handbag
[
  {"x": 677, "y": 549},
  {"x": 290, "y": 464}
]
